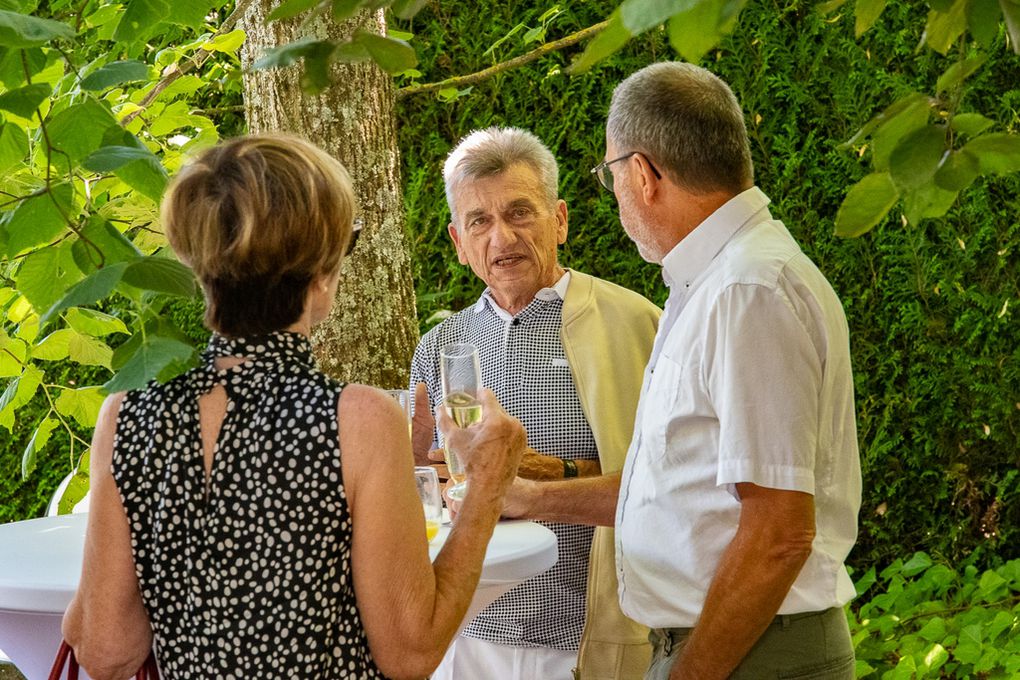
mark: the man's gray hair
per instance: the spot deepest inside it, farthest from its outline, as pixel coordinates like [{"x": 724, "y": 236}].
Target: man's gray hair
[
  {"x": 687, "y": 122},
  {"x": 491, "y": 151}
]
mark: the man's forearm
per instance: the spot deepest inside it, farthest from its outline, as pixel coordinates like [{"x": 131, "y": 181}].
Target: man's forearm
[
  {"x": 591, "y": 500},
  {"x": 752, "y": 580},
  {"x": 541, "y": 467}
]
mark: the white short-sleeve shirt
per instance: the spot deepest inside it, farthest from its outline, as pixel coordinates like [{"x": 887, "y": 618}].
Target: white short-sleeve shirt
[{"x": 749, "y": 381}]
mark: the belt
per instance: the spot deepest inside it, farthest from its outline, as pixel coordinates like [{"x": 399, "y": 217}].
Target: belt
[{"x": 672, "y": 636}]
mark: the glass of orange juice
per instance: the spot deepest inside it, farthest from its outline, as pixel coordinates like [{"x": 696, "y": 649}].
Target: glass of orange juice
[{"x": 427, "y": 481}]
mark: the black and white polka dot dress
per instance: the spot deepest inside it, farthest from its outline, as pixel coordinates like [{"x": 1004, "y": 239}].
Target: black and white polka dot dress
[{"x": 252, "y": 578}]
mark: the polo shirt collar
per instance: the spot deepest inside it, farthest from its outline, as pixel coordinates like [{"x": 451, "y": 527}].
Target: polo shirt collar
[
  {"x": 558, "y": 291},
  {"x": 691, "y": 257}
]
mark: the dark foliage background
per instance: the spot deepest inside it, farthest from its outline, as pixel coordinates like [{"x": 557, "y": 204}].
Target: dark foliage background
[{"x": 932, "y": 309}]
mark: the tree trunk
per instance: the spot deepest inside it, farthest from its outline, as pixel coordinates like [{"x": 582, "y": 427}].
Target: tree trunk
[{"x": 372, "y": 331}]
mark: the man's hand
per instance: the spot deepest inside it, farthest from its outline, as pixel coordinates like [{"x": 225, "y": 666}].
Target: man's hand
[{"x": 423, "y": 426}]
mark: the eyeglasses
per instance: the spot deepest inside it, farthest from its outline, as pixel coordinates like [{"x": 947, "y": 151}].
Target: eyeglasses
[
  {"x": 356, "y": 228},
  {"x": 604, "y": 173}
]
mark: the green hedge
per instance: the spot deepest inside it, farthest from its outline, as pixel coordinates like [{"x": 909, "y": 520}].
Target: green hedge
[{"x": 932, "y": 309}]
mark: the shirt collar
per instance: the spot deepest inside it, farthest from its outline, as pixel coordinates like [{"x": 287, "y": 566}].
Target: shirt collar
[
  {"x": 558, "y": 291},
  {"x": 689, "y": 258}
]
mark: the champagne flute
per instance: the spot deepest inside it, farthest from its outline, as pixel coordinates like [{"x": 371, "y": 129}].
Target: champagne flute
[
  {"x": 461, "y": 379},
  {"x": 427, "y": 481}
]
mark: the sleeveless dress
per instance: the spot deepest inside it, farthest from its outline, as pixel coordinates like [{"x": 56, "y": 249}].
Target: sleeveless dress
[{"x": 250, "y": 577}]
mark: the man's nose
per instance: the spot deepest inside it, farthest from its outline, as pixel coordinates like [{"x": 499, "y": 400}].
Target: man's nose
[{"x": 504, "y": 233}]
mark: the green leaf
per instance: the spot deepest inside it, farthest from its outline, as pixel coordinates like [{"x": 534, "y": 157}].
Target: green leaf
[
  {"x": 957, "y": 171},
  {"x": 140, "y": 19},
  {"x": 54, "y": 346},
  {"x": 139, "y": 169},
  {"x": 91, "y": 322},
  {"x": 13, "y": 146},
  {"x": 959, "y": 72},
  {"x": 866, "y": 204},
  {"x": 155, "y": 354},
  {"x": 76, "y": 487},
  {"x": 82, "y": 404},
  {"x": 191, "y": 12},
  {"x": 991, "y": 586},
  {"x": 392, "y": 55},
  {"x": 640, "y": 15},
  {"x": 39, "y": 219},
  {"x": 970, "y": 124},
  {"x": 983, "y": 21},
  {"x": 89, "y": 351},
  {"x": 998, "y": 153},
  {"x": 891, "y": 131},
  {"x": 406, "y": 9},
  {"x": 1011, "y": 14},
  {"x": 345, "y": 9},
  {"x": 943, "y": 28},
  {"x": 109, "y": 158},
  {"x": 866, "y": 13},
  {"x": 103, "y": 15},
  {"x": 94, "y": 287},
  {"x": 161, "y": 275},
  {"x": 46, "y": 274},
  {"x": 968, "y": 647},
  {"x": 694, "y": 31},
  {"x": 609, "y": 41},
  {"x": 291, "y": 8},
  {"x": 865, "y": 582},
  {"x": 913, "y": 162},
  {"x": 934, "y": 630},
  {"x": 39, "y": 439},
  {"x": 78, "y": 130},
  {"x": 12, "y": 358},
  {"x": 21, "y": 390},
  {"x": 928, "y": 200},
  {"x": 935, "y": 658},
  {"x": 99, "y": 237},
  {"x": 916, "y": 564},
  {"x": 20, "y": 30},
  {"x": 861, "y": 667},
  {"x": 227, "y": 42},
  {"x": 285, "y": 55},
  {"x": 25, "y": 100},
  {"x": 115, "y": 73}
]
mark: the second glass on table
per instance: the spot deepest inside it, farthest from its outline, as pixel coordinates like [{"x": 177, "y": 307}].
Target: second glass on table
[
  {"x": 460, "y": 373},
  {"x": 403, "y": 398},
  {"x": 427, "y": 481}
]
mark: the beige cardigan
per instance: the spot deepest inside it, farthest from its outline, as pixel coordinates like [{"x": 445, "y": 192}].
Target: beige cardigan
[{"x": 607, "y": 335}]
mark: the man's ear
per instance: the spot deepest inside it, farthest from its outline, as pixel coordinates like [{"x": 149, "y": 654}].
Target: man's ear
[
  {"x": 451, "y": 228},
  {"x": 649, "y": 182},
  {"x": 561, "y": 222}
]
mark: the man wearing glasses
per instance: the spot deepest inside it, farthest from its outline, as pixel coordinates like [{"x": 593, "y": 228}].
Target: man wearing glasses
[
  {"x": 563, "y": 352},
  {"x": 738, "y": 501}
]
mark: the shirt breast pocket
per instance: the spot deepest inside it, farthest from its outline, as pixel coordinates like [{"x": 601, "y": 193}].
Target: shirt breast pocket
[{"x": 661, "y": 405}]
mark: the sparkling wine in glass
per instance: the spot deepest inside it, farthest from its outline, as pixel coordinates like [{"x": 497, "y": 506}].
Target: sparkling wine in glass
[{"x": 461, "y": 379}]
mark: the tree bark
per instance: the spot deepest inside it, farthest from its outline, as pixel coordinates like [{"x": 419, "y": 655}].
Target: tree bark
[{"x": 371, "y": 333}]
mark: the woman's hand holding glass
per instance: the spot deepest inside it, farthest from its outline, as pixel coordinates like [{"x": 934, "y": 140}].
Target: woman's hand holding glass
[{"x": 489, "y": 450}]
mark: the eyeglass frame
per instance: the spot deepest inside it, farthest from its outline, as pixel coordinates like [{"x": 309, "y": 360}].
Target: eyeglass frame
[
  {"x": 356, "y": 226},
  {"x": 604, "y": 166}
]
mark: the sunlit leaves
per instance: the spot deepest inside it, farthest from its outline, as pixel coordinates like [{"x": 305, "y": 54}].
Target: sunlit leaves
[
  {"x": 227, "y": 42},
  {"x": 40, "y": 437},
  {"x": 13, "y": 146},
  {"x": 78, "y": 130},
  {"x": 945, "y": 26},
  {"x": 39, "y": 219},
  {"x": 20, "y": 30},
  {"x": 140, "y": 19},
  {"x": 161, "y": 275},
  {"x": 152, "y": 356},
  {"x": 87, "y": 291},
  {"x": 46, "y": 273},
  {"x": 25, "y": 100},
  {"x": 115, "y": 73},
  {"x": 998, "y": 153},
  {"x": 694, "y": 31},
  {"x": 609, "y": 41},
  {"x": 82, "y": 404}
]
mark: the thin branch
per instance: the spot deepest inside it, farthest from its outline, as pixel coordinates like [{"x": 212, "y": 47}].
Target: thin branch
[
  {"x": 195, "y": 62},
  {"x": 956, "y": 610},
  {"x": 221, "y": 109},
  {"x": 459, "y": 81}
]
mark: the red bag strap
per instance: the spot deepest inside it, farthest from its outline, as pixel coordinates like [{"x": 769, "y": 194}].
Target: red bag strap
[{"x": 65, "y": 657}]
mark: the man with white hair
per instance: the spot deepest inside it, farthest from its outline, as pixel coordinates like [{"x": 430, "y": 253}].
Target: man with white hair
[{"x": 563, "y": 351}]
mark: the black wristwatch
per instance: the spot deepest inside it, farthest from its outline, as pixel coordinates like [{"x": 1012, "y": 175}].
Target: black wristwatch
[{"x": 569, "y": 468}]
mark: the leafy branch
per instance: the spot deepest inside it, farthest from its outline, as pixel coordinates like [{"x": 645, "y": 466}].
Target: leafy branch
[{"x": 484, "y": 74}]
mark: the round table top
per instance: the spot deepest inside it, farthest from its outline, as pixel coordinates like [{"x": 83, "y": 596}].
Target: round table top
[{"x": 40, "y": 559}]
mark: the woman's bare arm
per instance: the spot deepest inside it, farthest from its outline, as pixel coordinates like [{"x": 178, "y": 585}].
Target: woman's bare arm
[
  {"x": 411, "y": 608},
  {"x": 106, "y": 623}
]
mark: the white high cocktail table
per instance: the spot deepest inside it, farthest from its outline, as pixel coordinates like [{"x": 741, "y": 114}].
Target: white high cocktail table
[{"x": 40, "y": 563}]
